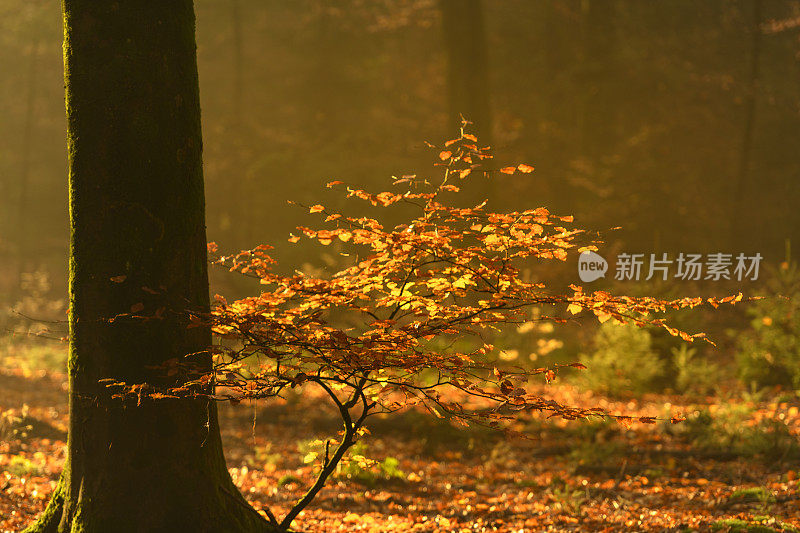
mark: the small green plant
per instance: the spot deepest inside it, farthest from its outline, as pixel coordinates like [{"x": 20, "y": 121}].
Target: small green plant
[
  {"x": 32, "y": 356},
  {"x": 568, "y": 500},
  {"x": 768, "y": 354},
  {"x": 310, "y": 450},
  {"x": 756, "y": 525},
  {"x": 733, "y": 429},
  {"x": 357, "y": 466},
  {"x": 654, "y": 473},
  {"x": 390, "y": 468},
  {"x": 527, "y": 483},
  {"x": 760, "y": 495},
  {"x": 263, "y": 455},
  {"x": 623, "y": 361},
  {"x": 288, "y": 479},
  {"x": 22, "y": 467},
  {"x": 693, "y": 374}
]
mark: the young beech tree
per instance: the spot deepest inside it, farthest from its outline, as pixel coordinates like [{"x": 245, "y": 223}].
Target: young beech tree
[
  {"x": 137, "y": 247},
  {"x": 404, "y": 324}
]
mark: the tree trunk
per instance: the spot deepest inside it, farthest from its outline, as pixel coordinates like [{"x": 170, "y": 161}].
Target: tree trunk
[
  {"x": 738, "y": 217},
  {"x": 137, "y": 216},
  {"x": 25, "y": 168},
  {"x": 598, "y": 120},
  {"x": 241, "y": 196},
  {"x": 467, "y": 67}
]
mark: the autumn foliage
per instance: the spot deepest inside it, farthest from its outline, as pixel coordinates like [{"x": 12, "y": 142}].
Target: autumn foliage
[{"x": 405, "y": 323}]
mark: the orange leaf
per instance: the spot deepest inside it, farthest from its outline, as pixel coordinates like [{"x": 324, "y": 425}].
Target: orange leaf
[
  {"x": 508, "y": 170},
  {"x": 316, "y": 209},
  {"x": 445, "y": 154},
  {"x": 527, "y": 169},
  {"x": 574, "y": 308}
]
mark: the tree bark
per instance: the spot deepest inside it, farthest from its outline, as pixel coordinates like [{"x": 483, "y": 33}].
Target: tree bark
[{"x": 137, "y": 216}]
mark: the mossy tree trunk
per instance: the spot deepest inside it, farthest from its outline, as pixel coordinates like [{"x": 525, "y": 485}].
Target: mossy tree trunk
[{"x": 137, "y": 243}]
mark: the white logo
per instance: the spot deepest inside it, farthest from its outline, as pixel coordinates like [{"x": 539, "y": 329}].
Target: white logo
[{"x": 591, "y": 266}]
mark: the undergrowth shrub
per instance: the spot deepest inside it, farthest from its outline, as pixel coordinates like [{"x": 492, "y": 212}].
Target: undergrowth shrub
[
  {"x": 733, "y": 429},
  {"x": 768, "y": 354},
  {"x": 23, "y": 467},
  {"x": 357, "y": 465},
  {"x": 623, "y": 361},
  {"x": 693, "y": 373}
]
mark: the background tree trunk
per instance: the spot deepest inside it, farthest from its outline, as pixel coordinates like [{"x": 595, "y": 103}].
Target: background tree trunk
[
  {"x": 23, "y": 211},
  {"x": 137, "y": 215},
  {"x": 241, "y": 193},
  {"x": 598, "y": 120},
  {"x": 467, "y": 67},
  {"x": 739, "y": 221}
]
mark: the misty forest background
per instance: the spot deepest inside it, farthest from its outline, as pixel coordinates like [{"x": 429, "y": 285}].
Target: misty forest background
[
  {"x": 652, "y": 117},
  {"x": 676, "y": 122}
]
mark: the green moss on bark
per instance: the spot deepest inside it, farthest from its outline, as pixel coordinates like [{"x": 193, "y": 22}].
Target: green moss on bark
[{"x": 137, "y": 215}]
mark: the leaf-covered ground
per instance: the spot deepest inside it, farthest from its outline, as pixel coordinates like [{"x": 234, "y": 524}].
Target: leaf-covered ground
[{"x": 704, "y": 474}]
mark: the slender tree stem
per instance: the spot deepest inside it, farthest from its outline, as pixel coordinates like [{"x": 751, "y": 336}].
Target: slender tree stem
[{"x": 329, "y": 465}]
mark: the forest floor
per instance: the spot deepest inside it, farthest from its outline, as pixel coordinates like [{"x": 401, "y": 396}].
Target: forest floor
[{"x": 732, "y": 467}]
